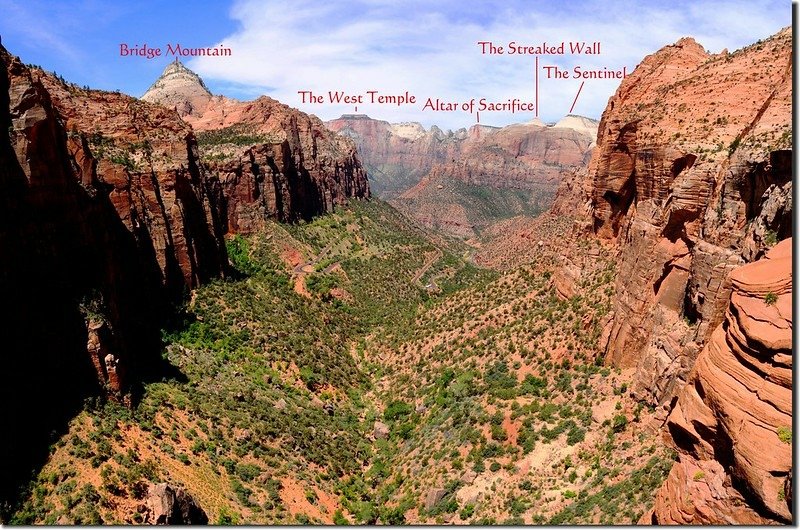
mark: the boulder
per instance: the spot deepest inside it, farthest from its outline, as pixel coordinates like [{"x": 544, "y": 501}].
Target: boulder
[
  {"x": 380, "y": 431},
  {"x": 167, "y": 504}
]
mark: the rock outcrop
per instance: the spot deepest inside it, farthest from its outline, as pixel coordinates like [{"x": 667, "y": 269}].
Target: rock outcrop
[
  {"x": 691, "y": 178},
  {"x": 733, "y": 419},
  {"x": 179, "y": 87},
  {"x": 272, "y": 161},
  {"x": 168, "y": 505}
]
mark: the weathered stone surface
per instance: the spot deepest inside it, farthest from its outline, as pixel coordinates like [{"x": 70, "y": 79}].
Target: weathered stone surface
[
  {"x": 735, "y": 413},
  {"x": 169, "y": 505},
  {"x": 690, "y": 182},
  {"x": 690, "y": 174},
  {"x": 434, "y": 496}
]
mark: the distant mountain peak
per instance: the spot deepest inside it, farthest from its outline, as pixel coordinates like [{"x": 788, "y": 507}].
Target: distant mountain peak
[{"x": 180, "y": 88}]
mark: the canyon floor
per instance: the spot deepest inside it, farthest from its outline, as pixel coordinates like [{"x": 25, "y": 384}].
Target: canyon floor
[{"x": 440, "y": 391}]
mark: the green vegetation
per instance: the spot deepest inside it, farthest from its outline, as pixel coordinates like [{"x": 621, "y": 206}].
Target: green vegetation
[
  {"x": 286, "y": 368},
  {"x": 234, "y": 135},
  {"x": 770, "y": 298},
  {"x": 785, "y": 434}
]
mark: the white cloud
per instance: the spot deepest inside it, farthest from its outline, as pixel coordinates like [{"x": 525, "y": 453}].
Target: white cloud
[{"x": 286, "y": 46}]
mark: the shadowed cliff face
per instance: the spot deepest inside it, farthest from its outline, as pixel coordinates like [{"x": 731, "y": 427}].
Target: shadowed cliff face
[
  {"x": 97, "y": 246},
  {"x": 108, "y": 217}
]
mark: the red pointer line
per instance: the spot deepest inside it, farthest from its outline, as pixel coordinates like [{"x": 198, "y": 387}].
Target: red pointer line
[
  {"x": 479, "y": 116},
  {"x": 576, "y": 97},
  {"x": 536, "y": 104}
]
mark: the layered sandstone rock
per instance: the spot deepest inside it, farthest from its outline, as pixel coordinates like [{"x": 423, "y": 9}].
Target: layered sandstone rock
[
  {"x": 691, "y": 178},
  {"x": 520, "y": 156},
  {"x": 105, "y": 221},
  {"x": 732, "y": 421},
  {"x": 143, "y": 157},
  {"x": 180, "y": 88},
  {"x": 272, "y": 161}
]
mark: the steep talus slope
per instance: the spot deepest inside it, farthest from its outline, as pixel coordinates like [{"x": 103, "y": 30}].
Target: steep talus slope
[
  {"x": 272, "y": 161},
  {"x": 732, "y": 421},
  {"x": 691, "y": 178},
  {"x": 97, "y": 242}
]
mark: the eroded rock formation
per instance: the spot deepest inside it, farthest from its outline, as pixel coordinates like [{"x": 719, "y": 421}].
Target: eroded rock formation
[
  {"x": 690, "y": 183},
  {"x": 733, "y": 419},
  {"x": 272, "y": 161},
  {"x": 169, "y": 505},
  {"x": 98, "y": 240},
  {"x": 397, "y": 155},
  {"x": 691, "y": 178}
]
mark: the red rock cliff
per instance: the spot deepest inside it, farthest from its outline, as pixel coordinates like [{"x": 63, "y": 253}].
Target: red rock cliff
[
  {"x": 733, "y": 419},
  {"x": 105, "y": 221},
  {"x": 691, "y": 183},
  {"x": 272, "y": 161},
  {"x": 691, "y": 177}
]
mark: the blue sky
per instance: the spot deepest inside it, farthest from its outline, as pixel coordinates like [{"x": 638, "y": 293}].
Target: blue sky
[{"x": 428, "y": 48}]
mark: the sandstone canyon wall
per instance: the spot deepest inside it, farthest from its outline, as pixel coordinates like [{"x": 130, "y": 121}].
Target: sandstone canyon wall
[
  {"x": 110, "y": 214},
  {"x": 397, "y": 155},
  {"x": 691, "y": 182},
  {"x": 271, "y": 160},
  {"x": 97, "y": 241},
  {"x": 732, "y": 422},
  {"x": 462, "y": 181},
  {"x": 691, "y": 178}
]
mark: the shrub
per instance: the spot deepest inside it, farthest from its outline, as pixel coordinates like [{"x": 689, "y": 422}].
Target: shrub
[
  {"x": 785, "y": 434},
  {"x": 700, "y": 475},
  {"x": 397, "y": 409},
  {"x": 770, "y": 298},
  {"x": 619, "y": 423}
]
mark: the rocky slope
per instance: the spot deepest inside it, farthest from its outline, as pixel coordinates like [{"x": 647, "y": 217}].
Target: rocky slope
[
  {"x": 272, "y": 161},
  {"x": 732, "y": 421},
  {"x": 691, "y": 179}
]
